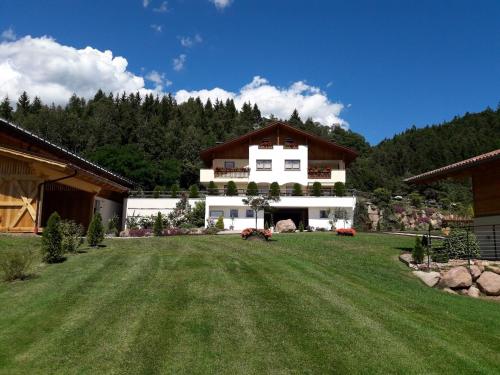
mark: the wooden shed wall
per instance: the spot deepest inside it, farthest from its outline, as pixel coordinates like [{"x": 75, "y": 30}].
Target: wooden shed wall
[{"x": 486, "y": 188}]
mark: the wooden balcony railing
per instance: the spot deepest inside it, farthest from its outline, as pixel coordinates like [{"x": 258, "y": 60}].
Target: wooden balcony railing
[
  {"x": 232, "y": 172},
  {"x": 319, "y": 173}
]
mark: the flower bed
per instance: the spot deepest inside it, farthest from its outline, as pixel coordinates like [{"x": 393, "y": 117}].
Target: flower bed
[
  {"x": 252, "y": 233},
  {"x": 346, "y": 232}
]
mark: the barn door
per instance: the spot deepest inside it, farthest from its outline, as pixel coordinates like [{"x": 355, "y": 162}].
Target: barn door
[{"x": 18, "y": 203}]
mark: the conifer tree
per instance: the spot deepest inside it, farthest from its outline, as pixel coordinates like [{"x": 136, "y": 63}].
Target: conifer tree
[
  {"x": 158, "y": 225},
  {"x": 212, "y": 188},
  {"x": 274, "y": 190},
  {"x": 194, "y": 192},
  {"x": 5, "y": 109},
  {"x": 23, "y": 104},
  {"x": 52, "y": 250},
  {"x": 220, "y": 223},
  {"x": 95, "y": 233}
]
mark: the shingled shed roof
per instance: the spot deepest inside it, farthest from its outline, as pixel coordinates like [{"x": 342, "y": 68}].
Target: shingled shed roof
[{"x": 455, "y": 169}]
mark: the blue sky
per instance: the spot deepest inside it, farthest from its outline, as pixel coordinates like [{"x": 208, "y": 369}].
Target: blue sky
[{"x": 390, "y": 64}]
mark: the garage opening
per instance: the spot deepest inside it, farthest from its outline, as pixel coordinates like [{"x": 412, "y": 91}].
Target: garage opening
[{"x": 295, "y": 214}]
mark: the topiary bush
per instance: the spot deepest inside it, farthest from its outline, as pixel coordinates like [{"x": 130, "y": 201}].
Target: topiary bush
[
  {"x": 339, "y": 188},
  {"x": 52, "y": 250},
  {"x": 274, "y": 190},
  {"x": 158, "y": 190},
  {"x": 174, "y": 190},
  {"x": 231, "y": 189},
  {"x": 212, "y": 188},
  {"x": 460, "y": 246},
  {"x": 71, "y": 236},
  {"x": 194, "y": 192},
  {"x": 316, "y": 189},
  {"x": 16, "y": 265},
  {"x": 220, "y": 223},
  {"x": 158, "y": 225},
  {"x": 297, "y": 190},
  {"x": 418, "y": 252},
  {"x": 95, "y": 233},
  {"x": 252, "y": 189}
]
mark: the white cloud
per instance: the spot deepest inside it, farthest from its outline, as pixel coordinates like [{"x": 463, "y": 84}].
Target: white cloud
[
  {"x": 221, "y": 4},
  {"x": 309, "y": 101},
  {"x": 159, "y": 80},
  {"x": 162, "y": 8},
  {"x": 187, "y": 41},
  {"x": 157, "y": 28},
  {"x": 178, "y": 62},
  {"x": 9, "y": 34},
  {"x": 52, "y": 71},
  {"x": 145, "y": 3}
]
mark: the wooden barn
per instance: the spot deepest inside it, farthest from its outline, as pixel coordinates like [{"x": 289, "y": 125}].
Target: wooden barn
[
  {"x": 38, "y": 178},
  {"x": 484, "y": 172}
]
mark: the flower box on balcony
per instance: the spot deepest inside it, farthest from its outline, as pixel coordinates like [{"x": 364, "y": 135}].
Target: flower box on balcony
[
  {"x": 266, "y": 145},
  {"x": 291, "y": 146}
]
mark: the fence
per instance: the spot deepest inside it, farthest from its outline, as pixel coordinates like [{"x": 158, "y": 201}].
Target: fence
[{"x": 325, "y": 192}]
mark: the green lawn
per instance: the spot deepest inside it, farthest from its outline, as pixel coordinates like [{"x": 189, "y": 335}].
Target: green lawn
[{"x": 304, "y": 303}]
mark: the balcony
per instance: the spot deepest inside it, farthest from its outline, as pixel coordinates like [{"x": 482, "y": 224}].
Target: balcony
[
  {"x": 231, "y": 172},
  {"x": 324, "y": 173}
]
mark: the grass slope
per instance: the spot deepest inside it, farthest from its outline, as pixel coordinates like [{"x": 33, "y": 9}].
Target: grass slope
[{"x": 305, "y": 303}]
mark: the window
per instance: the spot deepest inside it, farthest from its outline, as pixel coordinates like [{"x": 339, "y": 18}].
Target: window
[
  {"x": 249, "y": 213},
  {"x": 323, "y": 214},
  {"x": 233, "y": 213},
  {"x": 229, "y": 164},
  {"x": 264, "y": 165},
  {"x": 216, "y": 213},
  {"x": 292, "y": 165}
]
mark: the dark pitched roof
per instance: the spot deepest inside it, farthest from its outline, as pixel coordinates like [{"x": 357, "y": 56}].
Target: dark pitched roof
[
  {"x": 64, "y": 153},
  {"x": 455, "y": 168},
  {"x": 348, "y": 151}
]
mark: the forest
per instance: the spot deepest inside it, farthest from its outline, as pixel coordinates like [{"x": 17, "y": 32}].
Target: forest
[{"x": 156, "y": 141}]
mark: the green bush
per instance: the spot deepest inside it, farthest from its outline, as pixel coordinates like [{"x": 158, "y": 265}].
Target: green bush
[
  {"x": 71, "y": 236},
  {"x": 95, "y": 233},
  {"x": 194, "y": 192},
  {"x": 158, "y": 190},
  {"x": 231, "y": 189},
  {"x": 416, "y": 199},
  {"x": 252, "y": 189},
  {"x": 114, "y": 225},
  {"x": 274, "y": 190},
  {"x": 52, "y": 250},
  {"x": 382, "y": 195},
  {"x": 316, "y": 189},
  {"x": 196, "y": 216},
  {"x": 301, "y": 226},
  {"x": 297, "y": 190},
  {"x": 460, "y": 246},
  {"x": 212, "y": 188},
  {"x": 158, "y": 225},
  {"x": 220, "y": 223},
  {"x": 211, "y": 230},
  {"x": 16, "y": 265},
  {"x": 174, "y": 190},
  {"x": 418, "y": 251},
  {"x": 339, "y": 188}
]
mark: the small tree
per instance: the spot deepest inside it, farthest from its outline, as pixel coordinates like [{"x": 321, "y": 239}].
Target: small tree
[
  {"x": 339, "y": 188},
  {"x": 158, "y": 190},
  {"x": 259, "y": 203},
  {"x": 52, "y": 249},
  {"x": 194, "y": 192},
  {"x": 316, "y": 189},
  {"x": 212, "y": 188},
  {"x": 297, "y": 189},
  {"x": 274, "y": 190},
  {"x": 252, "y": 189},
  {"x": 95, "y": 233},
  {"x": 418, "y": 252},
  {"x": 174, "y": 190},
  {"x": 71, "y": 235},
  {"x": 220, "y": 223},
  {"x": 158, "y": 225},
  {"x": 231, "y": 189},
  {"x": 181, "y": 212},
  {"x": 196, "y": 216},
  {"x": 301, "y": 226}
]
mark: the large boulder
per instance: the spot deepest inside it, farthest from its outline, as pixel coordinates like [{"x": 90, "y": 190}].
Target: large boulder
[
  {"x": 492, "y": 268},
  {"x": 489, "y": 283},
  {"x": 456, "y": 278},
  {"x": 473, "y": 292},
  {"x": 475, "y": 272},
  {"x": 429, "y": 278},
  {"x": 406, "y": 258},
  {"x": 284, "y": 226}
]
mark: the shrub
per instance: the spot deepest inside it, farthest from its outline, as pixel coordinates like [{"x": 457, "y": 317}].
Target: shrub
[
  {"x": 52, "y": 250},
  {"x": 140, "y": 232},
  {"x": 211, "y": 230},
  {"x": 174, "y": 190},
  {"x": 220, "y": 223},
  {"x": 132, "y": 222},
  {"x": 114, "y": 225},
  {"x": 339, "y": 188},
  {"x": 382, "y": 195},
  {"x": 264, "y": 234},
  {"x": 71, "y": 236},
  {"x": 418, "y": 251},
  {"x": 252, "y": 189},
  {"x": 231, "y": 189},
  {"x": 194, "y": 192},
  {"x": 346, "y": 232},
  {"x": 459, "y": 245},
  {"x": 196, "y": 217},
  {"x": 15, "y": 265},
  {"x": 266, "y": 225},
  {"x": 95, "y": 233},
  {"x": 274, "y": 190},
  {"x": 301, "y": 226},
  {"x": 212, "y": 188},
  {"x": 316, "y": 189},
  {"x": 297, "y": 190},
  {"x": 158, "y": 190},
  {"x": 158, "y": 225},
  {"x": 415, "y": 199}
]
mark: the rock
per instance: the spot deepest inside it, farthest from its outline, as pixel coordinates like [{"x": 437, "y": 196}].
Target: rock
[
  {"x": 475, "y": 272},
  {"x": 406, "y": 258},
  {"x": 448, "y": 290},
  {"x": 491, "y": 268},
  {"x": 489, "y": 283},
  {"x": 456, "y": 278},
  {"x": 125, "y": 233},
  {"x": 429, "y": 278},
  {"x": 284, "y": 226},
  {"x": 473, "y": 292}
]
